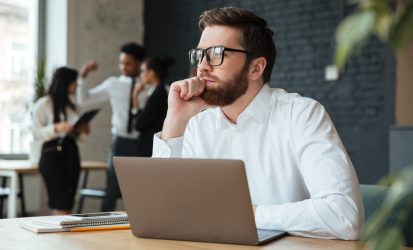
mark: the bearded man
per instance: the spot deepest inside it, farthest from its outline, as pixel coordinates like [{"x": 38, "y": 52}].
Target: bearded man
[{"x": 300, "y": 177}]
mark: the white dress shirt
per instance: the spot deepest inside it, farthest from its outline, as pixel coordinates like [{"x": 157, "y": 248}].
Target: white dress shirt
[
  {"x": 117, "y": 90},
  {"x": 43, "y": 125},
  {"x": 298, "y": 171}
]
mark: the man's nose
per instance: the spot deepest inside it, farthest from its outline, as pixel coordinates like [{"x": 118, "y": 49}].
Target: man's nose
[{"x": 204, "y": 65}]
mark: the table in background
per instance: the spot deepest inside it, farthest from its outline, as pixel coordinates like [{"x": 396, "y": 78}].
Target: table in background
[
  {"x": 15, "y": 169},
  {"x": 15, "y": 237}
]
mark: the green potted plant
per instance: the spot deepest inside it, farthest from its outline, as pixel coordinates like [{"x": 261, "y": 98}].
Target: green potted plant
[
  {"x": 392, "y": 22},
  {"x": 39, "y": 92},
  {"x": 40, "y": 80}
]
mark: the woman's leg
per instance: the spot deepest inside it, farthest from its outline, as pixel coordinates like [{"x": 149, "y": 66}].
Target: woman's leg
[{"x": 61, "y": 212}]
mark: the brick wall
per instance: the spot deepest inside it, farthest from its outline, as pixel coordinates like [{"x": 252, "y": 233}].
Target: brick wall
[{"x": 360, "y": 103}]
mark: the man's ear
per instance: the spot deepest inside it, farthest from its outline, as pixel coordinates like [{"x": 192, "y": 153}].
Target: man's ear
[{"x": 257, "y": 67}]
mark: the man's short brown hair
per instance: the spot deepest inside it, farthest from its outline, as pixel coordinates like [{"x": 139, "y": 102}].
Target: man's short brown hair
[{"x": 256, "y": 36}]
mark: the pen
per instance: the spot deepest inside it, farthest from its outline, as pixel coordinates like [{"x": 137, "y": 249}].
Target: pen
[{"x": 99, "y": 228}]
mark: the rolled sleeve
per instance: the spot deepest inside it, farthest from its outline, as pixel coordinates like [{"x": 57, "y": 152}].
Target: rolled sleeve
[
  {"x": 167, "y": 149},
  {"x": 45, "y": 133},
  {"x": 267, "y": 217}
]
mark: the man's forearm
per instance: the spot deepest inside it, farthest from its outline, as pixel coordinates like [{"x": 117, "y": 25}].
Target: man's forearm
[
  {"x": 87, "y": 97},
  {"x": 81, "y": 92},
  {"x": 173, "y": 127},
  {"x": 329, "y": 217}
]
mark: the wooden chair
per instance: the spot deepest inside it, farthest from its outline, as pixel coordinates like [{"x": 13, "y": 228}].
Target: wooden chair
[
  {"x": 85, "y": 192},
  {"x": 4, "y": 192}
]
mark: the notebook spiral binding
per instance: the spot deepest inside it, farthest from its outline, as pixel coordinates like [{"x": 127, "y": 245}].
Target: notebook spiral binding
[{"x": 94, "y": 222}]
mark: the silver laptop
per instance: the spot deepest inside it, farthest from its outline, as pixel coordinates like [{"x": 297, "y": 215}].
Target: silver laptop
[{"x": 189, "y": 199}]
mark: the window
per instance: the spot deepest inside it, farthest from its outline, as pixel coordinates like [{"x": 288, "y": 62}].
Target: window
[{"x": 18, "y": 45}]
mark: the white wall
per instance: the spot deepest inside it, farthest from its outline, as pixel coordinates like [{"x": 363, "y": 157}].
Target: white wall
[
  {"x": 77, "y": 31},
  {"x": 97, "y": 31}
]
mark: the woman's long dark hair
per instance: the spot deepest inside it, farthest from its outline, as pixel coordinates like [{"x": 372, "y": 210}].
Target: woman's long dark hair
[
  {"x": 59, "y": 91},
  {"x": 159, "y": 65}
]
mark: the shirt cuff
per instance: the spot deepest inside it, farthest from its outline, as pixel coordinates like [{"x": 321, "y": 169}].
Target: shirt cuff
[
  {"x": 268, "y": 217},
  {"x": 81, "y": 81},
  {"x": 167, "y": 149},
  {"x": 134, "y": 111},
  {"x": 50, "y": 132},
  {"x": 47, "y": 133}
]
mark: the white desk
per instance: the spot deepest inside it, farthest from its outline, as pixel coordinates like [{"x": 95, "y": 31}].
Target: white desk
[{"x": 12, "y": 169}]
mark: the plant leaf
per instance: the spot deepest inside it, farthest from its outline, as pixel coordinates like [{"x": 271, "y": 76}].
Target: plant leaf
[
  {"x": 402, "y": 31},
  {"x": 384, "y": 219},
  {"x": 353, "y": 2},
  {"x": 40, "y": 79},
  {"x": 383, "y": 24},
  {"x": 351, "y": 33},
  {"x": 389, "y": 239},
  {"x": 377, "y": 222}
]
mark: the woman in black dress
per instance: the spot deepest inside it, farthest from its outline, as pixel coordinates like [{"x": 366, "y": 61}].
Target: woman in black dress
[
  {"x": 151, "y": 90},
  {"x": 59, "y": 160}
]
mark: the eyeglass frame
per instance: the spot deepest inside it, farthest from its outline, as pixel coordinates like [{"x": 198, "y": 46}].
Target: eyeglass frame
[{"x": 204, "y": 53}]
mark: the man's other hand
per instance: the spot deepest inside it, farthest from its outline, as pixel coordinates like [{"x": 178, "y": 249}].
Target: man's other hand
[{"x": 87, "y": 68}]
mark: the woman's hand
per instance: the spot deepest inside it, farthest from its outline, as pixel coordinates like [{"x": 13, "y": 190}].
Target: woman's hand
[
  {"x": 83, "y": 129},
  {"x": 139, "y": 87},
  {"x": 63, "y": 127}
]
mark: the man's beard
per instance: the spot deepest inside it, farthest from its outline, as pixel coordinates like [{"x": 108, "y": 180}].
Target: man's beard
[{"x": 227, "y": 91}]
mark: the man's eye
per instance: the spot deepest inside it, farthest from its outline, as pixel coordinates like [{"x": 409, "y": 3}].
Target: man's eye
[{"x": 217, "y": 52}]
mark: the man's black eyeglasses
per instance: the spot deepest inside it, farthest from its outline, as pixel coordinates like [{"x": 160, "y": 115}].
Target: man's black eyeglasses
[{"x": 214, "y": 55}]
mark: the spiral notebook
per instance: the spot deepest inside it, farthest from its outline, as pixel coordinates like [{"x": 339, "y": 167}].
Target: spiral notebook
[{"x": 94, "y": 221}]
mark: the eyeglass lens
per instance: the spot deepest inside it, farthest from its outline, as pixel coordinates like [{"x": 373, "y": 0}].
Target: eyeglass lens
[{"x": 213, "y": 56}]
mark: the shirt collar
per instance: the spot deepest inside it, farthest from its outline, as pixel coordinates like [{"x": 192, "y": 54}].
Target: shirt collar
[
  {"x": 124, "y": 78},
  {"x": 256, "y": 110},
  {"x": 149, "y": 89}
]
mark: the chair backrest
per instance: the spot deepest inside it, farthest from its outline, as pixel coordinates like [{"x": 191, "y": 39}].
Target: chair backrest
[{"x": 373, "y": 198}]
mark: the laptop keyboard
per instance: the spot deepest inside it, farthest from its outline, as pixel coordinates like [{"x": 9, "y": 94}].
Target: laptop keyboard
[{"x": 264, "y": 234}]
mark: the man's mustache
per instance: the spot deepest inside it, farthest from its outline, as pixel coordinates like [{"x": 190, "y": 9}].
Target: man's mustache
[{"x": 208, "y": 76}]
